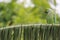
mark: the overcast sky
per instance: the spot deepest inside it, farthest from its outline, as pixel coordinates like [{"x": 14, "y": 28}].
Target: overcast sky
[
  {"x": 58, "y": 6},
  {"x": 29, "y": 3}
]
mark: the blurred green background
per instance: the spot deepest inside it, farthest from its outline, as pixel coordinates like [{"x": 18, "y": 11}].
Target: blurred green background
[{"x": 40, "y": 13}]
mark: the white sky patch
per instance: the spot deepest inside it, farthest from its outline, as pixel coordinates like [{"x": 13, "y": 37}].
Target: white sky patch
[
  {"x": 28, "y": 3},
  {"x": 1, "y": 0},
  {"x": 52, "y": 6},
  {"x": 57, "y": 7},
  {"x": 7, "y": 1},
  {"x": 58, "y": 1},
  {"x": 20, "y": 1}
]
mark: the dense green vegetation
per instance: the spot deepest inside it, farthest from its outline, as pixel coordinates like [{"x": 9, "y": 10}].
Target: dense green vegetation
[{"x": 13, "y": 13}]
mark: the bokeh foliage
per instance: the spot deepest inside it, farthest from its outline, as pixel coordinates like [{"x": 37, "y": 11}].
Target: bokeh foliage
[{"x": 13, "y": 13}]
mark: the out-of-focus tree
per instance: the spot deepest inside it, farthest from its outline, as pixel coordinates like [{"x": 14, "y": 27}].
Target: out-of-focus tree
[
  {"x": 33, "y": 15},
  {"x": 13, "y": 13},
  {"x": 6, "y": 13}
]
